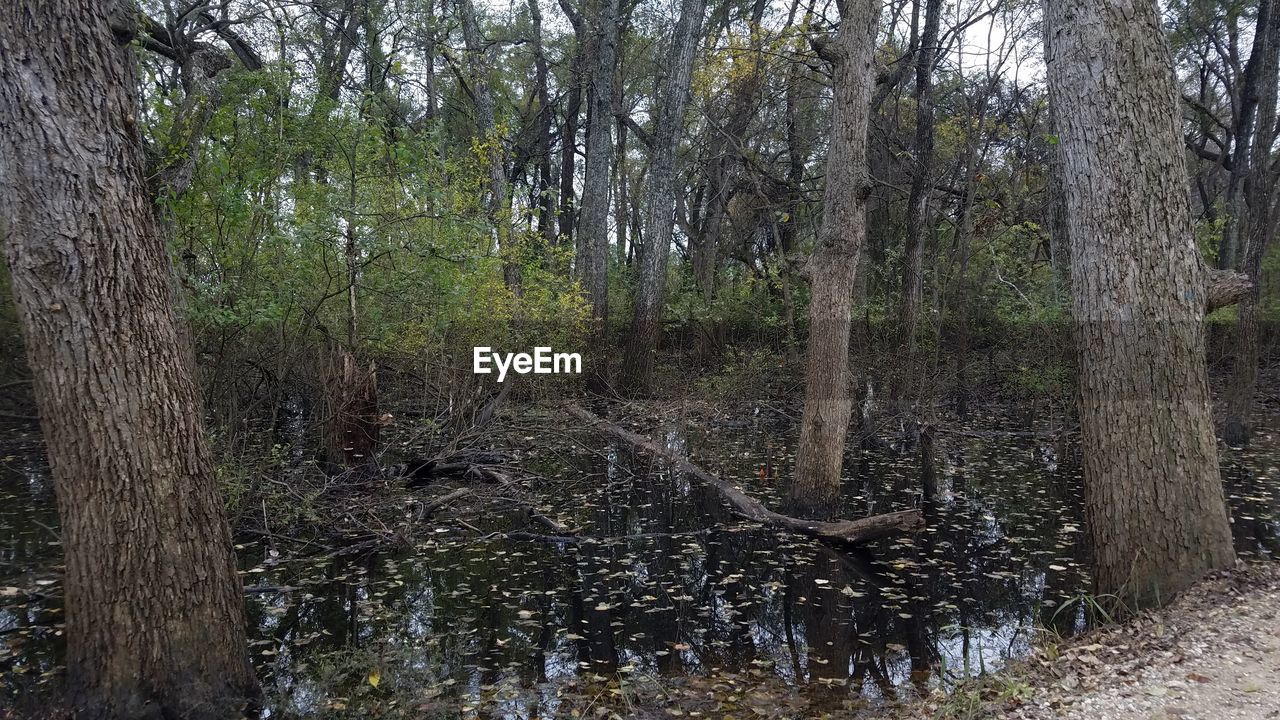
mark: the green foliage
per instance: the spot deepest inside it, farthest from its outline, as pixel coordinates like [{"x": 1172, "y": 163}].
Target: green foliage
[{"x": 289, "y": 202}]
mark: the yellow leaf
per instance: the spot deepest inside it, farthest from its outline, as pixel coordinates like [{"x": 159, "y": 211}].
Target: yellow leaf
[{"x": 374, "y": 677}]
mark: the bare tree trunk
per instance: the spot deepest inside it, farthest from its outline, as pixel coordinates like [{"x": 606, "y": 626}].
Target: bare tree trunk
[
  {"x": 1253, "y": 84},
  {"x": 154, "y": 612},
  {"x": 1153, "y": 495},
  {"x": 350, "y": 426},
  {"x": 566, "y": 216},
  {"x": 1056, "y": 217},
  {"x": 543, "y": 199},
  {"x": 673, "y": 94},
  {"x": 593, "y": 217},
  {"x": 918, "y": 221},
  {"x": 1259, "y": 226},
  {"x": 815, "y": 489},
  {"x": 620, "y": 200}
]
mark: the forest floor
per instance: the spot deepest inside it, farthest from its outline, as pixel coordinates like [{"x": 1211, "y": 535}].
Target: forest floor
[{"x": 1213, "y": 654}]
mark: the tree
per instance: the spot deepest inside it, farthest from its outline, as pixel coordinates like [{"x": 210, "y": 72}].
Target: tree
[
  {"x": 154, "y": 610},
  {"x": 673, "y": 94},
  {"x": 918, "y": 202},
  {"x": 832, "y": 268},
  {"x": 593, "y": 217},
  {"x": 1252, "y": 84},
  {"x": 1259, "y": 221},
  {"x": 481, "y": 92},
  {"x": 1153, "y": 495}
]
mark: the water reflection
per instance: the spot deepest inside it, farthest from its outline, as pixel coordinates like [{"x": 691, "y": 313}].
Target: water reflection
[{"x": 496, "y": 627}]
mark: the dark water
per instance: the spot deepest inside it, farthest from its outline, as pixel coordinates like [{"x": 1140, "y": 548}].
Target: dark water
[{"x": 486, "y": 627}]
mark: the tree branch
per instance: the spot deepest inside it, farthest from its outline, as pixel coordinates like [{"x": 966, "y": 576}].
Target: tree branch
[
  {"x": 1225, "y": 287},
  {"x": 843, "y": 531}
]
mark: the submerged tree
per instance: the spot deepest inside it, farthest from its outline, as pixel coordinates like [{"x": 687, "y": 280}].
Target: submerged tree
[
  {"x": 1153, "y": 494},
  {"x": 834, "y": 264},
  {"x": 154, "y": 611}
]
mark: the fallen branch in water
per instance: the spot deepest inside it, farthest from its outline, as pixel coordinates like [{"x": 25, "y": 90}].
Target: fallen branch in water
[
  {"x": 848, "y": 531},
  {"x": 529, "y": 511},
  {"x": 612, "y": 539},
  {"x": 270, "y": 589},
  {"x": 442, "y": 501},
  {"x": 985, "y": 434}
]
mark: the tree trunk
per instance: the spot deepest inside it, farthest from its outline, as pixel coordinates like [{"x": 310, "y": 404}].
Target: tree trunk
[
  {"x": 815, "y": 489},
  {"x": 918, "y": 224},
  {"x": 1259, "y": 227},
  {"x": 673, "y": 94},
  {"x": 726, "y": 142},
  {"x": 499, "y": 206},
  {"x": 1055, "y": 211},
  {"x": 620, "y": 200},
  {"x": 154, "y": 613},
  {"x": 1153, "y": 495},
  {"x": 1253, "y": 84},
  {"x": 349, "y": 424},
  {"x": 567, "y": 214},
  {"x": 593, "y": 217},
  {"x": 543, "y": 199}
]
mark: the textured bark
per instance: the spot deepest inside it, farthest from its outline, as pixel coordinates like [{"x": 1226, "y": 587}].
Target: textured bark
[
  {"x": 845, "y": 531},
  {"x": 917, "y": 207},
  {"x": 593, "y": 216},
  {"x": 673, "y": 95},
  {"x": 620, "y": 200},
  {"x": 1224, "y": 288},
  {"x": 1252, "y": 85},
  {"x": 154, "y": 613},
  {"x": 1259, "y": 227},
  {"x": 566, "y": 215},
  {"x": 1153, "y": 495},
  {"x": 566, "y": 219},
  {"x": 350, "y": 425},
  {"x": 1056, "y": 217},
  {"x": 815, "y": 489}
]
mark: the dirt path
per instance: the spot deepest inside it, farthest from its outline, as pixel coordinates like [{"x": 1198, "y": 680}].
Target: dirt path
[{"x": 1213, "y": 654}]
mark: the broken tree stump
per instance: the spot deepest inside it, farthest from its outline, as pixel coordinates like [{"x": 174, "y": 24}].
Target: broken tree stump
[
  {"x": 846, "y": 531},
  {"x": 350, "y": 422}
]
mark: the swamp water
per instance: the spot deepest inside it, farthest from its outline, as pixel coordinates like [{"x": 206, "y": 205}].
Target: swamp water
[{"x": 685, "y": 607}]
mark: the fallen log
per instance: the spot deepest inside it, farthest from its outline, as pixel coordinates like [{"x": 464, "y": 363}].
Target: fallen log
[
  {"x": 551, "y": 524},
  {"x": 847, "y": 531},
  {"x": 441, "y": 501}
]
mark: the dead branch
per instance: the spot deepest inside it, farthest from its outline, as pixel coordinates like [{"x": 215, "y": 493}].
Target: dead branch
[
  {"x": 848, "y": 531},
  {"x": 442, "y": 501},
  {"x": 1225, "y": 287}
]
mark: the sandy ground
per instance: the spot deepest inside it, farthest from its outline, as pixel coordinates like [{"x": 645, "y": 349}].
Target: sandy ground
[{"x": 1213, "y": 654}]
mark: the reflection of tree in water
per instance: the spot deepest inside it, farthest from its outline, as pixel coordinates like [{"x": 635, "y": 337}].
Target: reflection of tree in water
[
  {"x": 673, "y": 598},
  {"x": 681, "y": 603}
]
